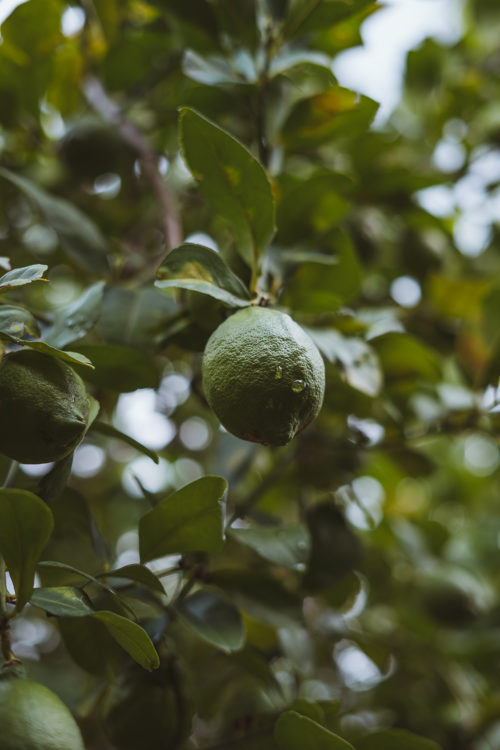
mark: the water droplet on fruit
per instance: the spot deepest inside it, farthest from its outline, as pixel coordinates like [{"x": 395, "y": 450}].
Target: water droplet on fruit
[
  {"x": 278, "y": 374},
  {"x": 298, "y": 386}
]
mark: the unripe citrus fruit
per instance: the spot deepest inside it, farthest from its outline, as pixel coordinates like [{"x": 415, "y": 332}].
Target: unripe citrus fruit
[
  {"x": 43, "y": 407},
  {"x": 32, "y": 717},
  {"x": 263, "y": 376}
]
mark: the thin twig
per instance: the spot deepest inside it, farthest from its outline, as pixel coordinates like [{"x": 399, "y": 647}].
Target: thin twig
[{"x": 100, "y": 101}]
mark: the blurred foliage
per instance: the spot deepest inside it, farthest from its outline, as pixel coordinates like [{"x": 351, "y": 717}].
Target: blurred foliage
[{"x": 339, "y": 592}]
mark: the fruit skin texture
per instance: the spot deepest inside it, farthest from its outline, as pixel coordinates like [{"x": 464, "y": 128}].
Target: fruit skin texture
[
  {"x": 32, "y": 717},
  {"x": 43, "y": 407},
  {"x": 263, "y": 376}
]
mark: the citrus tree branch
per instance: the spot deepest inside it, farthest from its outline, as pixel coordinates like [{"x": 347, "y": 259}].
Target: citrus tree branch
[{"x": 99, "y": 100}]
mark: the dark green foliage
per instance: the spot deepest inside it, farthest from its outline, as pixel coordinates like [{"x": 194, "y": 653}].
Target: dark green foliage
[{"x": 166, "y": 165}]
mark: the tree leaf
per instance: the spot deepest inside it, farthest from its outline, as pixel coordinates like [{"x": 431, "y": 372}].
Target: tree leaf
[
  {"x": 131, "y": 637},
  {"x": 74, "y": 321},
  {"x": 306, "y": 16},
  {"x": 91, "y": 646},
  {"x": 25, "y": 527},
  {"x": 201, "y": 269},
  {"x": 210, "y": 70},
  {"x": 287, "y": 546},
  {"x": 333, "y": 284},
  {"x": 64, "y": 601},
  {"x": 293, "y": 731},
  {"x": 119, "y": 368},
  {"x": 53, "y": 483},
  {"x": 79, "y": 236},
  {"x": 214, "y": 618},
  {"x": 18, "y": 322},
  {"x": 335, "y": 549},
  {"x": 143, "y": 319},
  {"x": 394, "y": 739},
  {"x": 232, "y": 180},
  {"x": 287, "y": 59},
  {"x": 311, "y": 206},
  {"x": 88, "y": 577},
  {"x": 334, "y": 113},
  {"x": 405, "y": 359},
  {"x": 262, "y": 596},
  {"x": 21, "y": 276},
  {"x": 137, "y": 573},
  {"x": 75, "y": 358},
  {"x": 191, "y": 519},
  {"x": 359, "y": 362},
  {"x": 107, "y": 429}
]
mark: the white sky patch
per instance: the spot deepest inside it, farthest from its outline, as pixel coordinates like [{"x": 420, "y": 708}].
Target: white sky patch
[
  {"x": 7, "y": 6},
  {"x": 377, "y": 68},
  {"x": 136, "y": 415},
  {"x": 72, "y": 21},
  {"x": 406, "y": 291}
]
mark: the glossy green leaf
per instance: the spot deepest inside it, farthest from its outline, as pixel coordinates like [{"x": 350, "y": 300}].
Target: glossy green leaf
[
  {"x": 74, "y": 321},
  {"x": 117, "y": 601},
  {"x": 232, "y": 180},
  {"x": 137, "y": 573},
  {"x": 74, "y": 543},
  {"x": 211, "y": 71},
  {"x": 405, "y": 359},
  {"x": 78, "y": 234},
  {"x": 21, "y": 276},
  {"x": 311, "y": 206},
  {"x": 107, "y": 429},
  {"x": 64, "y": 601},
  {"x": 191, "y": 519},
  {"x": 287, "y": 59},
  {"x": 54, "y": 481},
  {"x": 91, "y": 646},
  {"x": 287, "y": 545},
  {"x": 74, "y": 358},
  {"x": 142, "y": 318},
  {"x": 119, "y": 368},
  {"x": 359, "y": 363},
  {"x": 18, "y": 322},
  {"x": 394, "y": 739},
  {"x": 306, "y": 16},
  {"x": 335, "y": 113},
  {"x": 202, "y": 270},
  {"x": 262, "y": 596},
  {"x": 296, "y": 732},
  {"x": 214, "y": 618},
  {"x": 132, "y": 638},
  {"x": 25, "y": 527},
  {"x": 334, "y": 284}
]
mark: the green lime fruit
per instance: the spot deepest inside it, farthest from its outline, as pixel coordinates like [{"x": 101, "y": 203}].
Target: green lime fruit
[
  {"x": 43, "y": 407},
  {"x": 263, "y": 376},
  {"x": 32, "y": 717}
]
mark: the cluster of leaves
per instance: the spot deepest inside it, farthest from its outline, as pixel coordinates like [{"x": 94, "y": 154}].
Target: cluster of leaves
[{"x": 162, "y": 166}]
